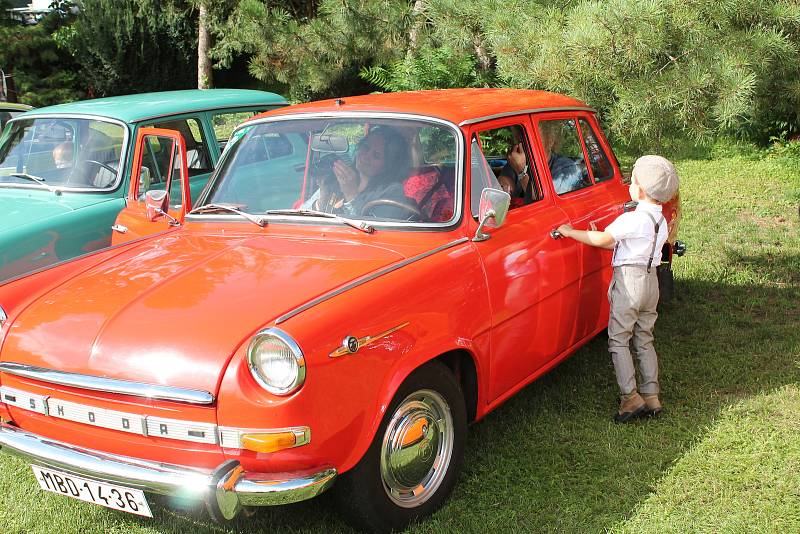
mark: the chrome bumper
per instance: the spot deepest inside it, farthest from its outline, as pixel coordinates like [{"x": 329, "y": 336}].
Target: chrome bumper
[{"x": 225, "y": 489}]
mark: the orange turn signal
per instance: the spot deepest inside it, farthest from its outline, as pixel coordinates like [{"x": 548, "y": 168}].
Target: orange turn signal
[{"x": 271, "y": 442}]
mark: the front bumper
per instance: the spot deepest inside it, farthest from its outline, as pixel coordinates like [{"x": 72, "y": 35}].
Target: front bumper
[{"x": 225, "y": 489}]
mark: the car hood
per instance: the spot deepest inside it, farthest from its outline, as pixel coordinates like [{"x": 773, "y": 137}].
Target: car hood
[
  {"x": 25, "y": 206},
  {"x": 172, "y": 310}
]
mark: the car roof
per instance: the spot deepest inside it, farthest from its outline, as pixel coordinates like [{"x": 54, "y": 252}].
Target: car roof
[
  {"x": 11, "y": 106},
  {"x": 461, "y": 106},
  {"x": 143, "y": 106}
]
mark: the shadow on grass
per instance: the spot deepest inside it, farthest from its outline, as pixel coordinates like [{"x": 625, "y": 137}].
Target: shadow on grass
[{"x": 550, "y": 459}]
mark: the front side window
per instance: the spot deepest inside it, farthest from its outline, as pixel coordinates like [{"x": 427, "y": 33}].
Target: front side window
[
  {"x": 197, "y": 157},
  {"x": 601, "y": 167},
  {"x": 397, "y": 170},
  {"x": 62, "y": 152},
  {"x": 508, "y": 153},
  {"x": 564, "y": 154}
]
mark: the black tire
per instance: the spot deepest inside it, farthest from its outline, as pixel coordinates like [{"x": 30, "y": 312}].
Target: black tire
[
  {"x": 362, "y": 493},
  {"x": 666, "y": 284}
]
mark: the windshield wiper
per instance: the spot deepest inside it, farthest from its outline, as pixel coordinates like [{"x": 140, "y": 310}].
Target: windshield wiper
[
  {"x": 358, "y": 225},
  {"x": 38, "y": 179},
  {"x": 233, "y": 209}
]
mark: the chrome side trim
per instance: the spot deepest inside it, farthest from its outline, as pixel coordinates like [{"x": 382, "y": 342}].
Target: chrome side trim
[
  {"x": 524, "y": 112},
  {"x": 364, "y": 279},
  {"x": 351, "y": 344},
  {"x": 108, "y": 385},
  {"x": 238, "y": 487}
]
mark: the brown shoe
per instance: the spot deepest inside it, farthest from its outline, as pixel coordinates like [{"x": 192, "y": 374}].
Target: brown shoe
[
  {"x": 652, "y": 405},
  {"x": 630, "y": 406}
]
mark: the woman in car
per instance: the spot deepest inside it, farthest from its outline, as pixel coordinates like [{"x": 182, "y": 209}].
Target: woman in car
[{"x": 376, "y": 179}]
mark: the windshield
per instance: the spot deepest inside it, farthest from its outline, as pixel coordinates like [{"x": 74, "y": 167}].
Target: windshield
[
  {"x": 397, "y": 170},
  {"x": 60, "y": 152}
]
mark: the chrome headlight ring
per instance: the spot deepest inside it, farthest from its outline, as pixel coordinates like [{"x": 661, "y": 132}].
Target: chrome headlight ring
[{"x": 276, "y": 362}]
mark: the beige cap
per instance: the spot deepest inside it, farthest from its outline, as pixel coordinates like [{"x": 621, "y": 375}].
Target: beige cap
[{"x": 657, "y": 176}]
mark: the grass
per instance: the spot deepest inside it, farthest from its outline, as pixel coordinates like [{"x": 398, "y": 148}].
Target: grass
[{"x": 725, "y": 457}]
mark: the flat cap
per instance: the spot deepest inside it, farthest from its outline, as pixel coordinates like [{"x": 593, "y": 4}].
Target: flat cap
[{"x": 657, "y": 176}]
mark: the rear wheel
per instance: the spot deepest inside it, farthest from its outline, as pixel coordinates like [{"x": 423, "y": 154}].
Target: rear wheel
[{"x": 415, "y": 457}]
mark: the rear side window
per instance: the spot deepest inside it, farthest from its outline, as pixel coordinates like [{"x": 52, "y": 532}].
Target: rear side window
[
  {"x": 601, "y": 167},
  {"x": 564, "y": 154}
]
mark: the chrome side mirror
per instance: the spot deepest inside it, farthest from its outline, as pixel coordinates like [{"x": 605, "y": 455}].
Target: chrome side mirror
[
  {"x": 492, "y": 211},
  {"x": 154, "y": 204}
]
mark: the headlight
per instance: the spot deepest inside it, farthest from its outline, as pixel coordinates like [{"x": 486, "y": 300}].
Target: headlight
[{"x": 276, "y": 362}]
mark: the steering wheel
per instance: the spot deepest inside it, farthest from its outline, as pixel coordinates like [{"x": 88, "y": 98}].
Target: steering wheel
[
  {"x": 413, "y": 211},
  {"x": 101, "y": 164}
]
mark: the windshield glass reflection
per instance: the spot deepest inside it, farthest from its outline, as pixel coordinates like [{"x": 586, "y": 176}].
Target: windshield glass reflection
[
  {"x": 60, "y": 152},
  {"x": 381, "y": 169}
]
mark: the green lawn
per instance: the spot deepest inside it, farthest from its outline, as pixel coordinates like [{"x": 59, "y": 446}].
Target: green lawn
[{"x": 725, "y": 457}]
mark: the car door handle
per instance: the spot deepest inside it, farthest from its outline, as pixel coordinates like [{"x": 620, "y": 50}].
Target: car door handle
[
  {"x": 119, "y": 228},
  {"x": 629, "y": 205},
  {"x": 555, "y": 234}
]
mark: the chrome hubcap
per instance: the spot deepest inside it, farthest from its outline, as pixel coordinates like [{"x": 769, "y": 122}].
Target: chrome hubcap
[{"x": 417, "y": 448}]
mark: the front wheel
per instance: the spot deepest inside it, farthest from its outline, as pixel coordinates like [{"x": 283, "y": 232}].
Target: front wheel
[{"x": 413, "y": 462}]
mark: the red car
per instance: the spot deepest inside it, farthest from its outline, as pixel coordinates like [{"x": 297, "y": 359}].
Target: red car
[{"x": 362, "y": 278}]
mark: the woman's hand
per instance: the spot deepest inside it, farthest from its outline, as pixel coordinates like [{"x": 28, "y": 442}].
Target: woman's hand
[
  {"x": 517, "y": 159},
  {"x": 348, "y": 179}
]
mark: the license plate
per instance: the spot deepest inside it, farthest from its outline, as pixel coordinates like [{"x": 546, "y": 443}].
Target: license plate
[{"x": 108, "y": 495}]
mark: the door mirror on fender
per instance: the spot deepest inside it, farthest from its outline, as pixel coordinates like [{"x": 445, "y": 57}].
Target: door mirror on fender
[{"x": 492, "y": 211}]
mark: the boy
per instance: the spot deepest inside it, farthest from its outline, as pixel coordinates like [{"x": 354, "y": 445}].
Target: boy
[{"x": 637, "y": 238}]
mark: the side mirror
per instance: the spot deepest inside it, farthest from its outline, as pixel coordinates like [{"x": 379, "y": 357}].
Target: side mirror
[
  {"x": 492, "y": 211},
  {"x": 154, "y": 203}
]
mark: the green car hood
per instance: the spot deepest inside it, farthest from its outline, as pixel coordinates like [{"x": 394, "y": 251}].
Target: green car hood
[{"x": 25, "y": 206}]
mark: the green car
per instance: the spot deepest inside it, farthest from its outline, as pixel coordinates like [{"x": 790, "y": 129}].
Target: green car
[
  {"x": 65, "y": 170},
  {"x": 10, "y": 110}
]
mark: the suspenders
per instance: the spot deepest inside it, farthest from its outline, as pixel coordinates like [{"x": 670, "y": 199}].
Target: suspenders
[
  {"x": 657, "y": 226},
  {"x": 655, "y": 238}
]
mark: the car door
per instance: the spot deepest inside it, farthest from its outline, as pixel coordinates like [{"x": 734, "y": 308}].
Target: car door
[
  {"x": 158, "y": 195},
  {"x": 592, "y": 199},
  {"x": 532, "y": 279}
]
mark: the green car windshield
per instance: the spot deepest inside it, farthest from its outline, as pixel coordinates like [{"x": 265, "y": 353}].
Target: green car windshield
[
  {"x": 382, "y": 169},
  {"x": 63, "y": 153}
]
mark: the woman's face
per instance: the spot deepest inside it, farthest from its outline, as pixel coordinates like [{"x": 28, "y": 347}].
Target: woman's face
[{"x": 370, "y": 157}]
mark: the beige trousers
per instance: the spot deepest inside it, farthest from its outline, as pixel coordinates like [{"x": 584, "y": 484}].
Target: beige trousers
[{"x": 633, "y": 296}]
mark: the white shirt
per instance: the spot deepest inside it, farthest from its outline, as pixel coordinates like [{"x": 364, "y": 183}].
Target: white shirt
[{"x": 633, "y": 231}]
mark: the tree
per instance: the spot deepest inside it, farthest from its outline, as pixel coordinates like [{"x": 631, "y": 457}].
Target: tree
[
  {"x": 40, "y": 73},
  {"x": 316, "y": 52},
  {"x": 128, "y": 46}
]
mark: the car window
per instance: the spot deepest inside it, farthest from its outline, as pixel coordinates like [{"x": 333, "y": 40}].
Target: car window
[
  {"x": 224, "y": 123},
  {"x": 197, "y": 155},
  {"x": 481, "y": 176},
  {"x": 564, "y": 154},
  {"x": 500, "y": 144},
  {"x": 601, "y": 168},
  {"x": 62, "y": 152},
  {"x": 397, "y": 170}
]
